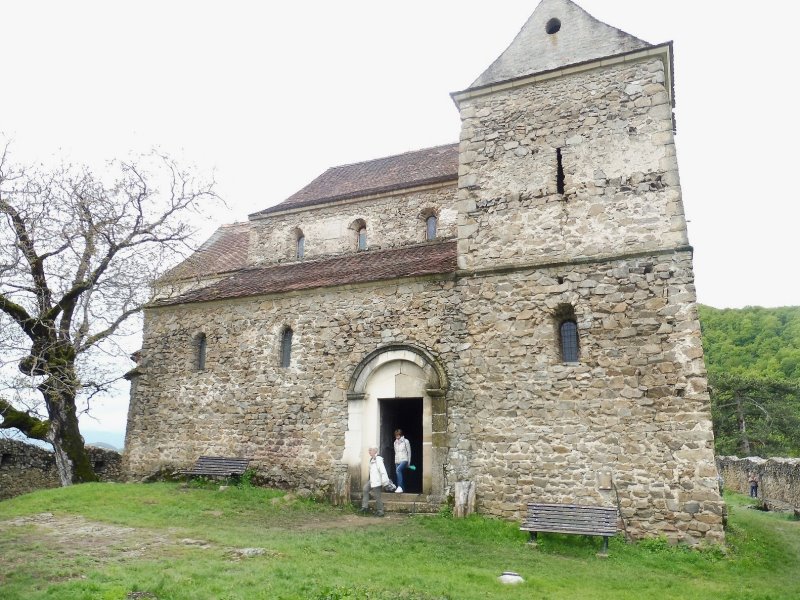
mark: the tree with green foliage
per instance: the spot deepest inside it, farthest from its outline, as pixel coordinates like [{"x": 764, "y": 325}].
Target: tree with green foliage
[
  {"x": 753, "y": 360},
  {"x": 755, "y": 416},
  {"x": 78, "y": 253},
  {"x": 752, "y": 341}
]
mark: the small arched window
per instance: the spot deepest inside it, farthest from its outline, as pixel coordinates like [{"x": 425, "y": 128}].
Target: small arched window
[
  {"x": 201, "y": 352},
  {"x": 359, "y": 233},
  {"x": 568, "y": 331},
  {"x": 430, "y": 228},
  {"x": 301, "y": 246},
  {"x": 362, "y": 238},
  {"x": 286, "y": 347},
  {"x": 566, "y": 324}
]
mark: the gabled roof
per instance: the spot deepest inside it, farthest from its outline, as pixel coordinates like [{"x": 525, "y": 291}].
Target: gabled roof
[
  {"x": 412, "y": 169},
  {"x": 358, "y": 267},
  {"x": 223, "y": 252},
  {"x": 578, "y": 37}
]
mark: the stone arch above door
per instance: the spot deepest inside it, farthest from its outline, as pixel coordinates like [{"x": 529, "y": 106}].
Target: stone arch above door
[{"x": 437, "y": 382}]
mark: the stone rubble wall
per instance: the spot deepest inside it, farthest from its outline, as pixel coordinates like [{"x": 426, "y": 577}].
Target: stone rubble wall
[
  {"x": 534, "y": 429},
  {"x": 530, "y": 427},
  {"x": 291, "y": 421},
  {"x": 26, "y": 468},
  {"x": 392, "y": 220},
  {"x": 621, "y": 190},
  {"x": 780, "y": 478}
]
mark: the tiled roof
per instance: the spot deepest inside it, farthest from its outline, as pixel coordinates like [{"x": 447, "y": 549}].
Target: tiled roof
[
  {"x": 358, "y": 267},
  {"x": 421, "y": 167},
  {"x": 223, "y": 252}
]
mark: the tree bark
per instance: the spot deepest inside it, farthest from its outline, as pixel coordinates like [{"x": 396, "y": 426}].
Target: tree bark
[
  {"x": 72, "y": 459},
  {"x": 744, "y": 441}
]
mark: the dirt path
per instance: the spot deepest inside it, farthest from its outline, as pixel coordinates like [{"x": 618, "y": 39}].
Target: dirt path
[{"x": 77, "y": 536}]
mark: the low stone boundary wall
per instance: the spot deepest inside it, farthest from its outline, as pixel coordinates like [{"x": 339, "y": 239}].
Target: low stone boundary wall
[
  {"x": 25, "y": 468},
  {"x": 779, "y": 478}
]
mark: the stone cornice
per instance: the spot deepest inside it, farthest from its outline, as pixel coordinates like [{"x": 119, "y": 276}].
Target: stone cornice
[
  {"x": 662, "y": 51},
  {"x": 580, "y": 260}
]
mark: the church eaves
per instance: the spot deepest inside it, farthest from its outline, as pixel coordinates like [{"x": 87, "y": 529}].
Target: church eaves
[
  {"x": 557, "y": 34},
  {"x": 420, "y": 260}
]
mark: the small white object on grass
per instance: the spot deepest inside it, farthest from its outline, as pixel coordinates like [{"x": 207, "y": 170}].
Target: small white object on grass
[{"x": 510, "y": 577}]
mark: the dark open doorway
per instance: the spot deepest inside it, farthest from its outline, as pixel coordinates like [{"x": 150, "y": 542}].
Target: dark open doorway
[{"x": 405, "y": 414}]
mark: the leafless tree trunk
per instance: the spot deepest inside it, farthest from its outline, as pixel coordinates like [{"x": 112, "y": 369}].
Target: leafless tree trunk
[
  {"x": 78, "y": 255},
  {"x": 741, "y": 420}
]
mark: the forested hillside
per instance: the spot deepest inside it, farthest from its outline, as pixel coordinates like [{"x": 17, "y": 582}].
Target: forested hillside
[
  {"x": 752, "y": 341},
  {"x": 753, "y": 360}
]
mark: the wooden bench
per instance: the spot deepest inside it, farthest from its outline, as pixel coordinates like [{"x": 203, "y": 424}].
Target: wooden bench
[
  {"x": 572, "y": 519},
  {"x": 218, "y": 466}
]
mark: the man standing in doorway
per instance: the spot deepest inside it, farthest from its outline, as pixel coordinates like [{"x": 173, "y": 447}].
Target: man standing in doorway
[{"x": 402, "y": 458}]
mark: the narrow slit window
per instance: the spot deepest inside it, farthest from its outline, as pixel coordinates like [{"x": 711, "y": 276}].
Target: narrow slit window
[
  {"x": 559, "y": 172},
  {"x": 301, "y": 246},
  {"x": 286, "y": 347},
  {"x": 430, "y": 228},
  {"x": 201, "y": 351},
  {"x": 569, "y": 341}
]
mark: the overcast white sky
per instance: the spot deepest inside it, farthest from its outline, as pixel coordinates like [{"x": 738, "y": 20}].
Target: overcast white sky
[{"x": 269, "y": 95}]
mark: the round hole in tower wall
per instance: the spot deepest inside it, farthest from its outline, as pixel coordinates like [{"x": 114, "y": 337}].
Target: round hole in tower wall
[{"x": 553, "y": 26}]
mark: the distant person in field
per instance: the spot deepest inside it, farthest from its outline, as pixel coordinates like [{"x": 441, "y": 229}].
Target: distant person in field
[
  {"x": 402, "y": 458},
  {"x": 752, "y": 479}
]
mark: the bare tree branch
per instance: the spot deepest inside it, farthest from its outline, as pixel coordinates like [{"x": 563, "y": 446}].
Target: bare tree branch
[
  {"x": 28, "y": 424},
  {"x": 78, "y": 255}
]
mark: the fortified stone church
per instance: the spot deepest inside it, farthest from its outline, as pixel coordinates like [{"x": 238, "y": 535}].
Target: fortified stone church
[{"x": 521, "y": 303}]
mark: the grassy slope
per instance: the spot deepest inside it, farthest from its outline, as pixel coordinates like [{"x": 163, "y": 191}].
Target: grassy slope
[{"x": 320, "y": 552}]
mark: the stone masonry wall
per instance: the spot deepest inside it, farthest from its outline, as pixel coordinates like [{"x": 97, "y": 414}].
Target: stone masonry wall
[
  {"x": 613, "y": 127},
  {"x": 25, "y": 468},
  {"x": 528, "y": 426},
  {"x": 392, "y": 220},
  {"x": 291, "y": 421},
  {"x": 519, "y": 422},
  {"x": 780, "y": 478}
]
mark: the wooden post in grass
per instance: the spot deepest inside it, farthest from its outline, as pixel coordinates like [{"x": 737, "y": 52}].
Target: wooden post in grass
[
  {"x": 341, "y": 487},
  {"x": 464, "y": 504}
]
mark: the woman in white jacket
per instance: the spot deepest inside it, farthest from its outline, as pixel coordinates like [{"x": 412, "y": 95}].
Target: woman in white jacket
[
  {"x": 402, "y": 458},
  {"x": 378, "y": 477}
]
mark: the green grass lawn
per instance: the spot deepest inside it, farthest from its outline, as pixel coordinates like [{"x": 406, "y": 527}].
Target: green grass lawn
[{"x": 166, "y": 541}]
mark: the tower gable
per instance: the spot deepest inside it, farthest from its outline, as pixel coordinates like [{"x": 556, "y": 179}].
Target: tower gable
[{"x": 558, "y": 33}]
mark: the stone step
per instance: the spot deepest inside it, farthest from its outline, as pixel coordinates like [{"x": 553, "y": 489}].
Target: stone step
[{"x": 405, "y": 503}]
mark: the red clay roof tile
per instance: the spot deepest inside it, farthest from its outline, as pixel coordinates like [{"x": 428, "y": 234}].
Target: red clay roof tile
[
  {"x": 359, "y": 267},
  {"x": 223, "y": 252},
  {"x": 421, "y": 167}
]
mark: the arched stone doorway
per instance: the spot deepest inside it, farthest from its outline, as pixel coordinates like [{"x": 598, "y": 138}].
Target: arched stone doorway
[{"x": 391, "y": 387}]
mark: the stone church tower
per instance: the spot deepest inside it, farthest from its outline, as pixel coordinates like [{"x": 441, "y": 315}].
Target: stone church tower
[{"x": 522, "y": 304}]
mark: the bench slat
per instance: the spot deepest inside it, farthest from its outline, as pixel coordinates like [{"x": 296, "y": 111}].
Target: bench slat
[
  {"x": 218, "y": 466},
  {"x": 571, "y": 519}
]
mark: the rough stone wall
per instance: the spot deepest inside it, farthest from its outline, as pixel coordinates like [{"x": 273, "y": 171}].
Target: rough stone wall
[
  {"x": 291, "y": 421},
  {"x": 520, "y": 422},
  {"x": 392, "y": 220},
  {"x": 25, "y": 468},
  {"x": 531, "y": 427},
  {"x": 780, "y": 478},
  {"x": 621, "y": 188}
]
